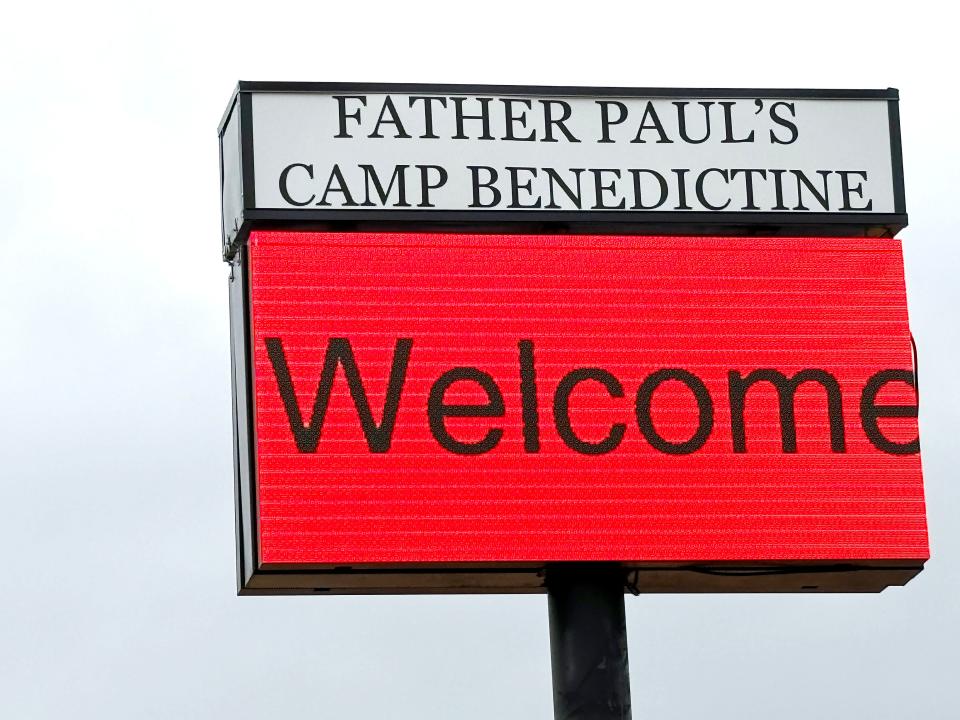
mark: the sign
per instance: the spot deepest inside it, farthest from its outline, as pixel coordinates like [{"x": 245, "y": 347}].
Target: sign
[
  {"x": 430, "y": 412},
  {"x": 797, "y": 162}
]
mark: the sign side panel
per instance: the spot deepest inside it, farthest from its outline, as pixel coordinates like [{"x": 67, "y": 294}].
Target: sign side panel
[
  {"x": 231, "y": 197},
  {"x": 244, "y": 431}
]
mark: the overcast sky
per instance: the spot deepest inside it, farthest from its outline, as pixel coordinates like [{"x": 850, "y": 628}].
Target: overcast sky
[{"x": 117, "y": 589}]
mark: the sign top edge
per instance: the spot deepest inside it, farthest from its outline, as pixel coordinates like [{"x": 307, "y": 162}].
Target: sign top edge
[{"x": 247, "y": 86}]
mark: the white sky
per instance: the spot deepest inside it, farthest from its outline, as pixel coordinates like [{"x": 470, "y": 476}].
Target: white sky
[{"x": 117, "y": 590}]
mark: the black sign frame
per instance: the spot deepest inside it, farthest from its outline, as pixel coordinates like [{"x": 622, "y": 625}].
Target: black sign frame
[{"x": 240, "y": 213}]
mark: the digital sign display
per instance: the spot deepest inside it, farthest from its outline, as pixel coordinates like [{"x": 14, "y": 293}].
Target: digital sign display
[{"x": 423, "y": 412}]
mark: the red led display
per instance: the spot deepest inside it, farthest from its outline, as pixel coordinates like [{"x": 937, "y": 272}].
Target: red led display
[{"x": 443, "y": 398}]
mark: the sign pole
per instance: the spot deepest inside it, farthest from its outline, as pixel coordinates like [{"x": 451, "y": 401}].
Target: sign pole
[{"x": 588, "y": 642}]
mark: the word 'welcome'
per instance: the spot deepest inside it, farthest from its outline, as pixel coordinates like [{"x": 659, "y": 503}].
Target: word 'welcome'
[{"x": 339, "y": 353}]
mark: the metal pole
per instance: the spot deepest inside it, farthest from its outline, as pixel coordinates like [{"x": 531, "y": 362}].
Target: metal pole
[{"x": 588, "y": 643}]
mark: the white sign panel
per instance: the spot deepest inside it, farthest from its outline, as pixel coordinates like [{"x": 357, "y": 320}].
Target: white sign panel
[{"x": 460, "y": 152}]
